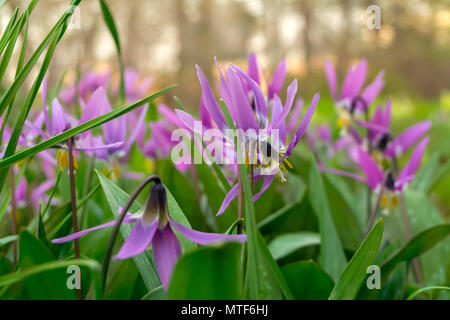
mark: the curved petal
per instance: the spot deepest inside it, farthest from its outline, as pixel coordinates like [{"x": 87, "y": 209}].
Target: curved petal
[
  {"x": 303, "y": 125},
  {"x": 79, "y": 234},
  {"x": 372, "y": 90},
  {"x": 253, "y": 70},
  {"x": 266, "y": 184},
  {"x": 330, "y": 74},
  {"x": 277, "y": 80},
  {"x": 231, "y": 195},
  {"x": 244, "y": 113},
  {"x": 138, "y": 240},
  {"x": 345, "y": 174},
  {"x": 260, "y": 101},
  {"x": 411, "y": 167},
  {"x": 59, "y": 118},
  {"x": 204, "y": 238},
  {"x": 210, "y": 101},
  {"x": 291, "y": 91},
  {"x": 373, "y": 173},
  {"x": 354, "y": 80},
  {"x": 166, "y": 249},
  {"x": 407, "y": 138}
]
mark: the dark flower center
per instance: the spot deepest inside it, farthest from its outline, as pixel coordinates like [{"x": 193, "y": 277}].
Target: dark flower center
[{"x": 390, "y": 182}]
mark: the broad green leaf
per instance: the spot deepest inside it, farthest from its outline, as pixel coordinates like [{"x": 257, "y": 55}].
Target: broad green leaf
[
  {"x": 422, "y": 290},
  {"x": 264, "y": 279},
  {"x": 332, "y": 257},
  {"x": 52, "y": 266},
  {"x": 351, "y": 279},
  {"x": 423, "y": 214},
  {"x": 268, "y": 223},
  {"x": 208, "y": 273},
  {"x": 109, "y": 20},
  {"x": 285, "y": 244},
  {"x": 7, "y": 239},
  {"x": 307, "y": 280},
  {"x": 122, "y": 280},
  {"x": 88, "y": 125},
  {"x": 156, "y": 294},
  {"x": 343, "y": 212},
  {"x": 421, "y": 243},
  {"x": 48, "y": 285}
]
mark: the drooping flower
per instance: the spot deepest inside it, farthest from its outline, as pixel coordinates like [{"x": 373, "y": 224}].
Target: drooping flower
[{"x": 154, "y": 225}]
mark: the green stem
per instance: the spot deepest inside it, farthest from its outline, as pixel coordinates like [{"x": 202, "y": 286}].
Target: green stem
[
  {"x": 73, "y": 200},
  {"x": 13, "y": 213}
]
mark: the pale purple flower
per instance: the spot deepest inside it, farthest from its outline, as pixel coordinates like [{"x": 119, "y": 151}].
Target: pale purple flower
[{"x": 252, "y": 112}]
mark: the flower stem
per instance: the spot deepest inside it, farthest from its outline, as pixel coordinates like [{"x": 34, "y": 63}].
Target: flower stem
[
  {"x": 134, "y": 195},
  {"x": 417, "y": 270},
  {"x": 13, "y": 213},
  {"x": 374, "y": 210},
  {"x": 369, "y": 149},
  {"x": 240, "y": 203},
  {"x": 73, "y": 200}
]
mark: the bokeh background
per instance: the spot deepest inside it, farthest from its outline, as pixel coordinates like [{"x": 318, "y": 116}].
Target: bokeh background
[{"x": 165, "y": 39}]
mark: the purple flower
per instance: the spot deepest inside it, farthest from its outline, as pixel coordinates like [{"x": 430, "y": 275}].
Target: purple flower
[
  {"x": 154, "y": 225},
  {"x": 352, "y": 86},
  {"x": 253, "y": 114},
  {"x": 382, "y": 138},
  {"x": 374, "y": 175},
  {"x": 86, "y": 86},
  {"x": 275, "y": 84},
  {"x": 61, "y": 121}
]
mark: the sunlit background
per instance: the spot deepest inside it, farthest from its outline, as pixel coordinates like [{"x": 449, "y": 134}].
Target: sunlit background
[{"x": 165, "y": 39}]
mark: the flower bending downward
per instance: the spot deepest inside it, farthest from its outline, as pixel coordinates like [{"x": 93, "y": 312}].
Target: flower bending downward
[{"x": 154, "y": 225}]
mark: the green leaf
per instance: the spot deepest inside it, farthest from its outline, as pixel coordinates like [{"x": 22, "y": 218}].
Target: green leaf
[
  {"x": 49, "y": 285},
  {"x": 88, "y": 125},
  {"x": 52, "y": 266},
  {"x": 285, "y": 244},
  {"x": 109, "y": 20},
  {"x": 208, "y": 273},
  {"x": 421, "y": 243},
  {"x": 307, "y": 280},
  {"x": 156, "y": 294},
  {"x": 343, "y": 212},
  {"x": 422, "y": 215},
  {"x": 121, "y": 282},
  {"x": 421, "y": 290},
  {"x": 355, "y": 272},
  {"x": 332, "y": 257},
  {"x": 264, "y": 279}
]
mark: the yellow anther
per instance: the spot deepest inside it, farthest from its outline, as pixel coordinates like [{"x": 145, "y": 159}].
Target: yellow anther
[
  {"x": 384, "y": 202},
  {"x": 288, "y": 163},
  {"x": 62, "y": 160},
  {"x": 394, "y": 201},
  {"x": 150, "y": 165},
  {"x": 344, "y": 120}
]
